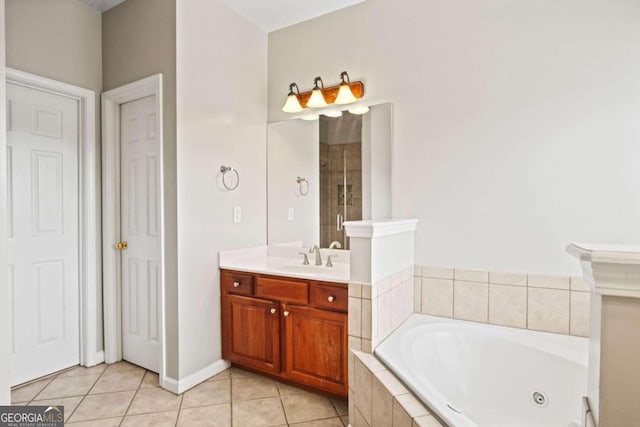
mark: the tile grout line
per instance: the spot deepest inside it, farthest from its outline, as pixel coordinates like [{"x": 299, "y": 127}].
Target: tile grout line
[
  {"x": 133, "y": 398},
  {"x": 87, "y": 393}
]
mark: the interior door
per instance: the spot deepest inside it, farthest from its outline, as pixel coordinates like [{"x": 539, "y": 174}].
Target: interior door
[
  {"x": 42, "y": 228},
  {"x": 140, "y": 228}
]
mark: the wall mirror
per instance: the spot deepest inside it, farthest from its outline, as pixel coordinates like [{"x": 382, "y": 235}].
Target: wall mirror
[{"x": 324, "y": 172}]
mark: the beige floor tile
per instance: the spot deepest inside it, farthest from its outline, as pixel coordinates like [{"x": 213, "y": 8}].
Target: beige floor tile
[
  {"x": 124, "y": 366},
  {"x": 68, "y": 386},
  {"x": 19, "y": 403},
  {"x": 224, "y": 375},
  {"x": 158, "y": 419},
  {"x": 307, "y": 407},
  {"x": 29, "y": 391},
  {"x": 253, "y": 388},
  {"x": 341, "y": 405},
  {"x": 345, "y": 420},
  {"x": 258, "y": 412},
  {"x": 208, "y": 393},
  {"x": 209, "y": 416},
  {"x": 69, "y": 403},
  {"x": 109, "y": 422},
  {"x": 329, "y": 422},
  {"x": 150, "y": 379},
  {"x": 118, "y": 380},
  {"x": 81, "y": 370},
  {"x": 285, "y": 389},
  {"x": 241, "y": 373},
  {"x": 153, "y": 400},
  {"x": 100, "y": 406}
]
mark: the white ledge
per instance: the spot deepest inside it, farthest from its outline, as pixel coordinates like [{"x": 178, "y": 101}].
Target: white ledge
[
  {"x": 610, "y": 269},
  {"x": 379, "y": 227}
]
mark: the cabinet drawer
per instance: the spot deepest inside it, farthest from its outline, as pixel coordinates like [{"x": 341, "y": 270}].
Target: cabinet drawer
[
  {"x": 295, "y": 291},
  {"x": 237, "y": 283},
  {"x": 332, "y": 297}
]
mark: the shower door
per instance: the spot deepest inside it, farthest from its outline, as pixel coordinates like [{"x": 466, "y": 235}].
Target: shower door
[{"x": 340, "y": 189}]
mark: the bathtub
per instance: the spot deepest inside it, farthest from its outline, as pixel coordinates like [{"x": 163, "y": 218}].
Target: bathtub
[{"x": 472, "y": 374}]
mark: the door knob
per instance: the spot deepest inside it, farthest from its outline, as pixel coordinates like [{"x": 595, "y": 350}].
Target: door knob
[
  {"x": 330, "y": 298},
  {"x": 286, "y": 313},
  {"x": 236, "y": 284},
  {"x": 273, "y": 311},
  {"x": 122, "y": 245}
]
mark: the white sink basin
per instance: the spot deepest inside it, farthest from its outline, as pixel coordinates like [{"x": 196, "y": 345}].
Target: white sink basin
[{"x": 313, "y": 270}]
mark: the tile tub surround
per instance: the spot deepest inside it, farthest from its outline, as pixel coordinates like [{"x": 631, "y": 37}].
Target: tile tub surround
[
  {"x": 123, "y": 394},
  {"x": 378, "y": 399},
  {"x": 375, "y": 311},
  {"x": 529, "y": 301}
]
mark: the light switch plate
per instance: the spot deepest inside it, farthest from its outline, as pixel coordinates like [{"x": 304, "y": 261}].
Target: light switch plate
[
  {"x": 290, "y": 216},
  {"x": 237, "y": 214}
]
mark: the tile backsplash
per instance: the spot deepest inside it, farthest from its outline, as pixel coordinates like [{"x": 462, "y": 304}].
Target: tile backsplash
[{"x": 542, "y": 303}]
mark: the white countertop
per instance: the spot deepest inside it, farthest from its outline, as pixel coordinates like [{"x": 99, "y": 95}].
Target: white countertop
[{"x": 286, "y": 263}]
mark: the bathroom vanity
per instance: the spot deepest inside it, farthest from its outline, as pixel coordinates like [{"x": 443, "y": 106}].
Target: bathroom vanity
[{"x": 292, "y": 328}]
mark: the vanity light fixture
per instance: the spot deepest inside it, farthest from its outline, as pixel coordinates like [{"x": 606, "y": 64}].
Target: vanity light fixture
[
  {"x": 317, "y": 97},
  {"x": 292, "y": 105},
  {"x": 345, "y": 96},
  {"x": 346, "y": 92}
]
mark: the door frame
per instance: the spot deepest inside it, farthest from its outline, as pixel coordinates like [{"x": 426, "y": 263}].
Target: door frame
[
  {"x": 89, "y": 273},
  {"x": 112, "y": 287}
]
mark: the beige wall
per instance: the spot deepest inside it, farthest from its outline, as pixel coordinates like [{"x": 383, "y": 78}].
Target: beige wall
[
  {"x": 60, "y": 40},
  {"x": 139, "y": 40},
  {"x": 513, "y": 126},
  {"x": 5, "y": 397},
  {"x": 222, "y": 98}
]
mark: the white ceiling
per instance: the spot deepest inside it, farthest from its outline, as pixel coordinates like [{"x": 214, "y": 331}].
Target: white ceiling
[
  {"x": 102, "y": 5},
  {"x": 272, "y": 15},
  {"x": 269, "y": 15}
]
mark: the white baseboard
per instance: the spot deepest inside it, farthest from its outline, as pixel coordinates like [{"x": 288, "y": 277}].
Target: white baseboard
[
  {"x": 94, "y": 359},
  {"x": 180, "y": 386}
]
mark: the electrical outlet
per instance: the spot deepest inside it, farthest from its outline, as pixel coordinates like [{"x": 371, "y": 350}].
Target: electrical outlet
[
  {"x": 290, "y": 214},
  {"x": 237, "y": 214}
]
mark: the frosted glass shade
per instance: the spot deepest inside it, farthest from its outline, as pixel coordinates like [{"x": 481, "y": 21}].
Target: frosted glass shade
[
  {"x": 345, "y": 96},
  {"x": 317, "y": 99},
  {"x": 333, "y": 113},
  {"x": 292, "y": 105}
]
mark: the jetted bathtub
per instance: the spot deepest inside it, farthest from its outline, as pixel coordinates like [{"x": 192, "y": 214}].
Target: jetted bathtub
[{"x": 472, "y": 374}]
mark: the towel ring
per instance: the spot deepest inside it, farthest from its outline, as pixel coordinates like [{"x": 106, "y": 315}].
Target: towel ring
[
  {"x": 303, "y": 183},
  {"x": 224, "y": 170}
]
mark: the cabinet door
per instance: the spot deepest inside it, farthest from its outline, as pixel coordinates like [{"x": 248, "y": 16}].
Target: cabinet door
[
  {"x": 251, "y": 332},
  {"x": 316, "y": 348}
]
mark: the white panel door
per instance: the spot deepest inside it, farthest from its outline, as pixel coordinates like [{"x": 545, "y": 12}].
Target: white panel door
[
  {"x": 43, "y": 235},
  {"x": 140, "y": 227}
]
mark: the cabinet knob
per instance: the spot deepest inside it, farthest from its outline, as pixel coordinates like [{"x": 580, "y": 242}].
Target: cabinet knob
[
  {"x": 330, "y": 298},
  {"x": 286, "y": 313},
  {"x": 236, "y": 284},
  {"x": 273, "y": 311}
]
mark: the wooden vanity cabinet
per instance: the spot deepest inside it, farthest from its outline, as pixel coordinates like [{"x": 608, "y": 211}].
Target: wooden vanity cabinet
[{"x": 289, "y": 328}]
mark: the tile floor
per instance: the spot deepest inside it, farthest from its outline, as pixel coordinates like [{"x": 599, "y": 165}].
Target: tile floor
[{"x": 123, "y": 394}]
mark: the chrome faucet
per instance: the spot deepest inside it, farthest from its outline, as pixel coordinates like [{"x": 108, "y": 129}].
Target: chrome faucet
[
  {"x": 316, "y": 250},
  {"x": 335, "y": 245}
]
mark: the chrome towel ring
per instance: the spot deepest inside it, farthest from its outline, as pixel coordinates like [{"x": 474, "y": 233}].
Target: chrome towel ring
[
  {"x": 224, "y": 170},
  {"x": 303, "y": 185}
]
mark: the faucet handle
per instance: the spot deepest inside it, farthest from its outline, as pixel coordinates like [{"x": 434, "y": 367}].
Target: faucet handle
[
  {"x": 329, "y": 263},
  {"x": 305, "y": 261}
]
